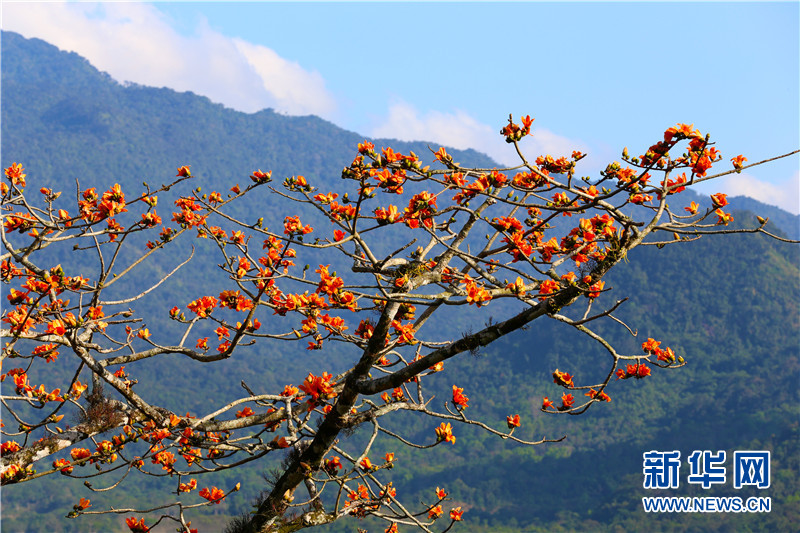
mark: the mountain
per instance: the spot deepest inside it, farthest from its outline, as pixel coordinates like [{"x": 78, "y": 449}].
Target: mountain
[
  {"x": 90, "y": 126},
  {"x": 729, "y": 305}
]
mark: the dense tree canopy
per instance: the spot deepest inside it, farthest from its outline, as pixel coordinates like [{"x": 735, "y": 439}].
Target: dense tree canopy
[{"x": 392, "y": 260}]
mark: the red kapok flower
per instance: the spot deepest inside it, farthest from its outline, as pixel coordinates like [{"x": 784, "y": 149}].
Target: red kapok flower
[
  {"x": 459, "y": 399},
  {"x": 738, "y": 161},
  {"x": 244, "y": 412},
  {"x": 513, "y": 421},
  {"x": 719, "y": 200},
  {"x": 445, "y": 433},
  {"x": 136, "y": 527},
  {"x": 435, "y": 512},
  {"x": 214, "y": 495},
  {"x": 562, "y": 378},
  {"x": 567, "y": 401}
]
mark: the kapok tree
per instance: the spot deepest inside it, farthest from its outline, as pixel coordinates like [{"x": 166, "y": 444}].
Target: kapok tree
[{"x": 415, "y": 241}]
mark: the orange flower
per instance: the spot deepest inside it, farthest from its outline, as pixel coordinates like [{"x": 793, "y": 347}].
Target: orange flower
[
  {"x": 16, "y": 175},
  {"x": 165, "y": 459},
  {"x": 233, "y": 299},
  {"x": 475, "y": 294},
  {"x": 546, "y": 402},
  {"x": 738, "y": 161},
  {"x": 719, "y": 200},
  {"x": 56, "y": 327},
  {"x": 651, "y": 345},
  {"x": 292, "y": 225},
  {"x": 79, "y": 453},
  {"x": 526, "y": 122},
  {"x": 9, "y": 447},
  {"x": 459, "y": 399},
  {"x": 445, "y": 433},
  {"x": 391, "y": 182},
  {"x": 388, "y": 491},
  {"x": 556, "y": 166},
  {"x": 390, "y": 215},
  {"x": 637, "y": 371},
  {"x": 562, "y": 378},
  {"x": 64, "y": 464},
  {"x": 441, "y": 493},
  {"x": 567, "y": 401},
  {"x": 366, "y": 464},
  {"x": 421, "y": 207},
  {"x": 136, "y": 527},
  {"x": 105, "y": 447},
  {"x": 203, "y": 306},
  {"x": 692, "y": 209},
  {"x": 513, "y": 421},
  {"x": 517, "y": 287},
  {"x": 602, "y": 396},
  {"x": 188, "y": 487},
  {"x": 435, "y": 512},
  {"x": 682, "y": 131},
  {"x": 318, "y": 386},
  {"x": 14, "y": 472},
  {"x": 244, "y": 413},
  {"x": 332, "y": 465},
  {"x": 84, "y": 503},
  {"x": 261, "y": 177},
  {"x": 596, "y": 289},
  {"x": 455, "y": 514},
  {"x": 214, "y": 495},
  {"x": 329, "y": 284},
  {"x": 78, "y": 388},
  {"x": 289, "y": 390},
  {"x": 666, "y": 355},
  {"x": 509, "y": 224},
  {"x": 548, "y": 286},
  {"x": 673, "y": 186},
  {"x": 398, "y": 395},
  {"x": 722, "y": 217},
  {"x": 405, "y": 333},
  {"x": 442, "y": 155},
  {"x": 280, "y": 442},
  {"x": 184, "y": 172}
]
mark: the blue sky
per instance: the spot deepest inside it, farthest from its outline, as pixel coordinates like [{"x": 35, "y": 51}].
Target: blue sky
[{"x": 596, "y": 76}]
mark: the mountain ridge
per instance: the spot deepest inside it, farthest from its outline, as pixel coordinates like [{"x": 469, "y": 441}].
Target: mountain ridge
[{"x": 77, "y": 111}]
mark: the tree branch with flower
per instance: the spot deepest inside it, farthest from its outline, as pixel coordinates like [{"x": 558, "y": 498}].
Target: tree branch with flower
[{"x": 418, "y": 244}]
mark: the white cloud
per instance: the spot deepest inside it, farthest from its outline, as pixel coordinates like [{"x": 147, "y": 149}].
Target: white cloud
[
  {"x": 784, "y": 194},
  {"x": 135, "y": 42},
  {"x": 295, "y": 90},
  {"x": 460, "y": 130}
]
